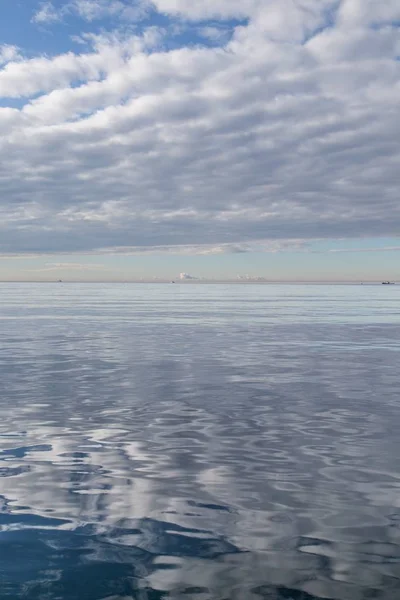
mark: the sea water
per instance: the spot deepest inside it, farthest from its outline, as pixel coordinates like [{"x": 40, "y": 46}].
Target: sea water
[{"x": 199, "y": 441}]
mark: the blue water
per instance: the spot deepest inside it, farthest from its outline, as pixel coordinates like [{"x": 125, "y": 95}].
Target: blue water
[{"x": 199, "y": 441}]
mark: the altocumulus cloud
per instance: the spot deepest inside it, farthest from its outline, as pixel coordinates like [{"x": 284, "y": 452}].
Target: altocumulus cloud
[{"x": 285, "y": 129}]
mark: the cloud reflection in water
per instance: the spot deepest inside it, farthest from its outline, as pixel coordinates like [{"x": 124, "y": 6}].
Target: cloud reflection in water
[{"x": 228, "y": 448}]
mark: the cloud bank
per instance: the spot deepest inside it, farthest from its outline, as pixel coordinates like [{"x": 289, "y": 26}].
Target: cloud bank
[{"x": 284, "y": 129}]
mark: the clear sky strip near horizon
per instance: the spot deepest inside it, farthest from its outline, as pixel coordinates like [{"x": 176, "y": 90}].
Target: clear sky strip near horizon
[{"x": 220, "y": 139}]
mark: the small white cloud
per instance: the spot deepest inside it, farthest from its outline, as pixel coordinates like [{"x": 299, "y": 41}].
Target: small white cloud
[
  {"x": 95, "y": 9},
  {"x": 250, "y": 278},
  {"x": 47, "y": 13},
  {"x": 9, "y": 53},
  {"x": 215, "y": 34},
  {"x": 372, "y": 249},
  {"x": 183, "y": 276},
  {"x": 91, "y": 10},
  {"x": 80, "y": 266},
  {"x": 69, "y": 267}
]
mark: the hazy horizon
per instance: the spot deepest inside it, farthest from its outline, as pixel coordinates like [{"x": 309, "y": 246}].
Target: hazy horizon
[{"x": 199, "y": 281}]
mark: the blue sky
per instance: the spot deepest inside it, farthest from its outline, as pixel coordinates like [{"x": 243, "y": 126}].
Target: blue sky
[{"x": 218, "y": 138}]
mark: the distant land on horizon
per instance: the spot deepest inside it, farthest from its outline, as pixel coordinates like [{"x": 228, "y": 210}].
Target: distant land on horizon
[{"x": 200, "y": 281}]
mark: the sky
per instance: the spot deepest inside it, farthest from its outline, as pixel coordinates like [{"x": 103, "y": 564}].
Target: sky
[{"x": 207, "y": 139}]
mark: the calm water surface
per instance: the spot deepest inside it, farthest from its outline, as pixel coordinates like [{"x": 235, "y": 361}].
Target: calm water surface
[{"x": 199, "y": 442}]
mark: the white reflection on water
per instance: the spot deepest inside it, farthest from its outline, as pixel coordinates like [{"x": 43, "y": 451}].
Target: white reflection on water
[{"x": 201, "y": 441}]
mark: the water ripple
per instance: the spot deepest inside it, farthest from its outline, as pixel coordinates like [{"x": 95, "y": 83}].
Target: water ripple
[{"x": 207, "y": 442}]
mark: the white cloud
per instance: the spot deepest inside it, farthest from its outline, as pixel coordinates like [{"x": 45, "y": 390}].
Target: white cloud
[
  {"x": 372, "y": 249},
  {"x": 91, "y": 10},
  {"x": 47, "y": 13},
  {"x": 9, "y": 53},
  {"x": 208, "y": 9},
  {"x": 94, "y": 9},
  {"x": 80, "y": 266},
  {"x": 215, "y": 34},
  {"x": 250, "y": 278},
  {"x": 280, "y": 19},
  {"x": 185, "y": 276},
  {"x": 353, "y": 13},
  {"x": 289, "y": 131},
  {"x": 48, "y": 267},
  {"x": 29, "y": 77},
  {"x": 272, "y": 246}
]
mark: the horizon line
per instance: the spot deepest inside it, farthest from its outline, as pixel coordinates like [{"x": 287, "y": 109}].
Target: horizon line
[{"x": 208, "y": 281}]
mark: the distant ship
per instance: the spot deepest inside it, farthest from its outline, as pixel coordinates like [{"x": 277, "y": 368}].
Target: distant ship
[{"x": 387, "y": 282}]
